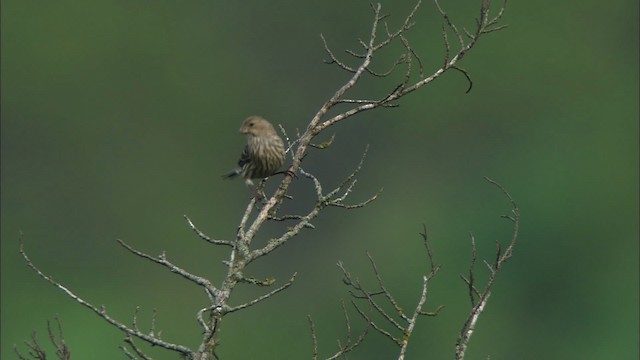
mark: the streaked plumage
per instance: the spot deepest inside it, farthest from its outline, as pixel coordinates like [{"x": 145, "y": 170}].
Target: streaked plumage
[{"x": 264, "y": 153}]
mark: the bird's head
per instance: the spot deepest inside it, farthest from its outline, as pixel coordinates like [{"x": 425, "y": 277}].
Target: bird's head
[{"x": 256, "y": 126}]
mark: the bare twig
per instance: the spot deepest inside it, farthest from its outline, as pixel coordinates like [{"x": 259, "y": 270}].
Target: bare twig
[
  {"x": 263, "y": 297},
  {"x": 472, "y": 289},
  {"x": 325, "y": 144},
  {"x": 102, "y": 313},
  {"x": 162, "y": 260},
  {"x": 375, "y": 326},
  {"x": 412, "y": 321},
  {"x": 477, "y": 307},
  {"x": 409, "y": 322},
  {"x": 129, "y": 341},
  {"x": 37, "y": 352},
  {"x": 62, "y": 350},
  {"x": 266, "y": 208},
  {"x": 386, "y": 292},
  {"x": 314, "y": 338},
  {"x": 349, "y": 344},
  {"x": 484, "y": 25},
  {"x": 248, "y": 229},
  {"x": 205, "y": 237},
  {"x": 323, "y": 200},
  {"x": 334, "y": 59},
  {"x": 291, "y": 217}
]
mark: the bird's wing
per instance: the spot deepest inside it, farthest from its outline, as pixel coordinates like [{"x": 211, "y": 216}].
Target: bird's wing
[{"x": 244, "y": 157}]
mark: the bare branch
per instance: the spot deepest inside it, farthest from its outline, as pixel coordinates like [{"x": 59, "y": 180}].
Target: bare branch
[
  {"x": 290, "y": 143},
  {"x": 129, "y": 341},
  {"x": 205, "y": 237},
  {"x": 469, "y": 327},
  {"x": 314, "y": 339},
  {"x": 347, "y": 321},
  {"x": 37, "y": 352},
  {"x": 338, "y": 202},
  {"x": 349, "y": 345},
  {"x": 386, "y": 292},
  {"x": 317, "y": 124},
  {"x": 342, "y": 349},
  {"x": 334, "y": 59},
  {"x": 470, "y": 282},
  {"x": 432, "y": 263},
  {"x": 275, "y": 243},
  {"x": 516, "y": 220},
  {"x": 162, "y": 260},
  {"x": 358, "y": 292},
  {"x": 436, "y": 312},
  {"x": 62, "y": 350},
  {"x": 361, "y": 293},
  {"x": 349, "y": 178},
  {"x": 316, "y": 182},
  {"x": 355, "y": 54},
  {"x": 450, "y": 24},
  {"x": 401, "y": 60},
  {"x": 483, "y": 27},
  {"x": 126, "y": 352},
  {"x": 322, "y": 201},
  {"x": 351, "y": 181},
  {"x": 379, "y": 309},
  {"x": 412, "y": 322},
  {"x": 291, "y": 217},
  {"x": 267, "y": 208},
  {"x": 411, "y": 53},
  {"x": 472, "y": 288},
  {"x": 368, "y": 102},
  {"x": 408, "y": 24},
  {"x": 263, "y": 297},
  {"x": 466, "y": 75},
  {"x": 325, "y": 144},
  {"x": 483, "y": 296},
  {"x": 375, "y": 326},
  {"x": 102, "y": 313}
]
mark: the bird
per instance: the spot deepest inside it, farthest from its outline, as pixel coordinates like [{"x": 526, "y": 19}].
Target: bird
[{"x": 262, "y": 155}]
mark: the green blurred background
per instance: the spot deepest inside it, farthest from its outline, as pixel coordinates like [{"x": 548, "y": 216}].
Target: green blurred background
[{"x": 118, "y": 117}]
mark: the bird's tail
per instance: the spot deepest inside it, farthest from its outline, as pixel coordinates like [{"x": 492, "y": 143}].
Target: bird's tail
[{"x": 232, "y": 174}]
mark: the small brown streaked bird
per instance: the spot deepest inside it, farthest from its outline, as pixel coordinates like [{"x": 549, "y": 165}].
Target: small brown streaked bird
[{"x": 264, "y": 153}]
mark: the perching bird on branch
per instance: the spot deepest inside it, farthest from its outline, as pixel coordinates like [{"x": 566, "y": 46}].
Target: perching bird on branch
[{"x": 264, "y": 153}]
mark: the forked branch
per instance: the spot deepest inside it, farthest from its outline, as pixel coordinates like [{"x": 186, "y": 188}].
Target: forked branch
[
  {"x": 399, "y": 321},
  {"x": 242, "y": 250},
  {"x": 36, "y": 351},
  {"x": 477, "y": 298},
  {"x": 349, "y": 342},
  {"x": 102, "y": 313}
]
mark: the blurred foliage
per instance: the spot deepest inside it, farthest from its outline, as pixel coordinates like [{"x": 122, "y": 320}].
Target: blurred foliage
[{"x": 119, "y": 116}]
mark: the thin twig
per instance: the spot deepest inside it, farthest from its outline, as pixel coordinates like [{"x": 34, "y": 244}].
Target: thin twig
[
  {"x": 62, "y": 350},
  {"x": 102, "y": 313},
  {"x": 263, "y": 297},
  {"x": 162, "y": 260},
  {"x": 386, "y": 292},
  {"x": 483, "y": 296},
  {"x": 129, "y": 341},
  {"x": 205, "y": 237}
]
